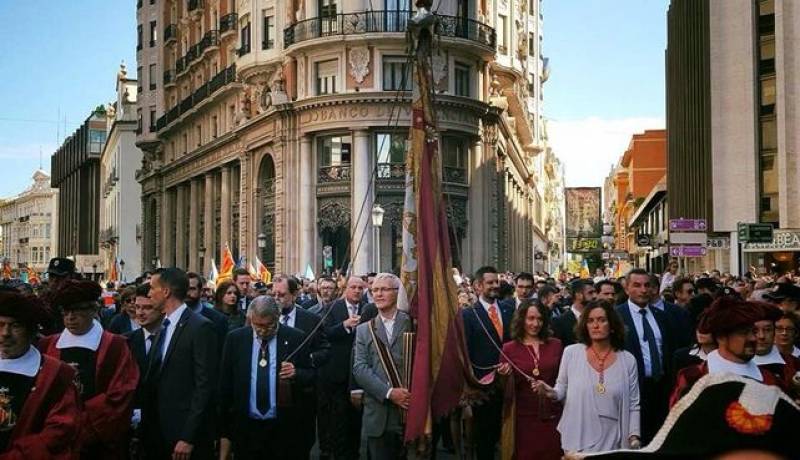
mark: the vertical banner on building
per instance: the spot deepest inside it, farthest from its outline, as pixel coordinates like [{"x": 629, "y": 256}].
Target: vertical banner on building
[{"x": 583, "y": 224}]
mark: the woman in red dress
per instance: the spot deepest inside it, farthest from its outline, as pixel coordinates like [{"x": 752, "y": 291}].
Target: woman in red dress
[{"x": 531, "y": 355}]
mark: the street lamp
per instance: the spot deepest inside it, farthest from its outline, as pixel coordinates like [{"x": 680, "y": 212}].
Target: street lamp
[
  {"x": 94, "y": 271},
  {"x": 201, "y": 254},
  {"x": 122, "y": 270},
  {"x": 377, "y": 222},
  {"x": 261, "y": 241}
]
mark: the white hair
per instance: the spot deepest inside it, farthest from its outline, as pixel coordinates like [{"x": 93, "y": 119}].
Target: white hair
[{"x": 264, "y": 307}]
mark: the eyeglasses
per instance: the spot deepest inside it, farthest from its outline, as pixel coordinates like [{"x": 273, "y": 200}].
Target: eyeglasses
[
  {"x": 382, "y": 289},
  {"x": 785, "y": 330}
]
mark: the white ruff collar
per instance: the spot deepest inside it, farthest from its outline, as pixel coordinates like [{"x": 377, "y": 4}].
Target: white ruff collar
[
  {"x": 773, "y": 357},
  {"x": 796, "y": 352},
  {"x": 717, "y": 364},
  {"x": 27, "y": 364},
  {"x": 90, "y": 340}
]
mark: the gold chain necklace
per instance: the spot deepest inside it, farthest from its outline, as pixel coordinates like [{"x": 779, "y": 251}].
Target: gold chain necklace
[
  {"x": 601, "y": 387},
  {"x": 531, "y": 351}
]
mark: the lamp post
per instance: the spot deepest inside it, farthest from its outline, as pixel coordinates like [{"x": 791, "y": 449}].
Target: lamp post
[
  {"x": 377, "y": 222},
  {"x": 122, "y": 270},
  {"x": 94, "y": 271},
  {"x": 261, "y": 241},
  {"x": 201, "y": 254}
]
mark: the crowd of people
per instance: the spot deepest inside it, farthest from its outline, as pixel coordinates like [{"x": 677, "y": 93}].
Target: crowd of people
[{"x": 173, "y": 367}]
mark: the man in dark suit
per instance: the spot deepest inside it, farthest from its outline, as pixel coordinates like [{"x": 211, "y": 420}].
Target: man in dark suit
[
  {"x": 261, "y": 379},
  {"x": 583, "y": 292},
  {"x": 124, "y": 321},
  {"x": 681, "y": 320},
  {"x": 181, "y": 376},
  {"x": 650, "y": 337},
  {"x": 339, "y": 422},
  {"x": 285, "y": 289},
  {"x": 486, "y": 327},
  {"x": 326, "y": 295},
  {"x": 193, "y": 301}
]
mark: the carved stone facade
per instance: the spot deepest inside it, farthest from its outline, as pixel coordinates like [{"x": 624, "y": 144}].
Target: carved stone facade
[{"x": 295, "y": 143}]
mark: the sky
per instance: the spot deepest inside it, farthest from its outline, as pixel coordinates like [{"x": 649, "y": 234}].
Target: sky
[
  {"x": 57, "y": 56},
  {"x": 606, "y": 80},
  {"x": 60, "y": 59}
]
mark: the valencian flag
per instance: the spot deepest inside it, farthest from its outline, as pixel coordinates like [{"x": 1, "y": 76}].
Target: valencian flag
[
  {"x": 585, "y": 269},
  {"x": 226, "y": 266},
  {"x": 263, "y": 272},
  {"x": 440, "y": 358}
]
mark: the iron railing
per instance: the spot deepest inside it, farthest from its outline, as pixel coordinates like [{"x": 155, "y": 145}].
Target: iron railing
[
  {"x": 385, "y": 21},
  {"x": 218, "y": 81},
  {"x": 228, "y": 23},
  {"x": 454, "y": 175},
  {"x": 169, "y": 77},
  {"x": 338, "y": 173}
]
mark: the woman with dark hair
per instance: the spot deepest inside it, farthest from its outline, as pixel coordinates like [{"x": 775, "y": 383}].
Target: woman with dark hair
[
  {"x": 530, "y": 417},
  {"x": 598, "y": 381},
  {"x": 226, "y": 300}
]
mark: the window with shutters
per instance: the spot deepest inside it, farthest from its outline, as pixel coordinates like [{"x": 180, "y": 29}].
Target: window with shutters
[{"x": 326, "y": 72}]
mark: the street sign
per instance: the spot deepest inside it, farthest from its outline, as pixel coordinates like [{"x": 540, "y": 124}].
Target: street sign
[
  {"x": 687, "y": 225},
  {"x": 688, "y": 238},
  {"x": 642, "y": 240},
  {"x": 755, "y": 233},
  {"x": 687, "y": 251},
  {"x": 327, "y": 256}
]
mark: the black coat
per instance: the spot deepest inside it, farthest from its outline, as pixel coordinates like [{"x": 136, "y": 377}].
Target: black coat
[
  {"x": 632, "y": 345},
  {"x": 179, "y": 396},
  {"x": 564, "y": 328},
  {"x": 483, "y": 350},
  {"x": 120, "y": 324},
  {"x": 235, "y": 374},
  {"x": 681, "y": 323},
  {"x": 136, "y": 345},
  {"x": 220, "y": 322},
  {"x": 337, "y": 370}
]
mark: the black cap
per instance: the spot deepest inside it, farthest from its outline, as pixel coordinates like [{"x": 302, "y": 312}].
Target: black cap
[
  {"x": 783, "y": 291},
  {"x": 60, "y": 266}
]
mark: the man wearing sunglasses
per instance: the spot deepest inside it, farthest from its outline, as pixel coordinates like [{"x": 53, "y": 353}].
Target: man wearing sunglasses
[{"x": 684, "y": 291}]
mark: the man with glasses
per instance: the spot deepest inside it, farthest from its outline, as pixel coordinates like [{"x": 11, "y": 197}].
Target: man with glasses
[
  {"x": 768, "y": 357},
  {"x": 107, "y": 374},
  {"x": 684, "y": 291}
]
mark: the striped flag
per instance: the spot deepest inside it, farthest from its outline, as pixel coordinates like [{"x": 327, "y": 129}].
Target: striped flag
[
  {"x": 226, "y": 266},
  {"x": 263, "y": 272},
  {"x": 213, "y": 274}
]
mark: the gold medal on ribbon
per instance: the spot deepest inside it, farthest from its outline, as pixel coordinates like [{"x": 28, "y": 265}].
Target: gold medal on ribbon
[
  {"x": 263, "y": 362},
  {"x": 601, "y": 389},
  {"x": 535, "y": 372}
]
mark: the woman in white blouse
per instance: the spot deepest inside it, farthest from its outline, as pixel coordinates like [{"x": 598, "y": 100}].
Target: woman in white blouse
[{"x": 597, "y": 381}]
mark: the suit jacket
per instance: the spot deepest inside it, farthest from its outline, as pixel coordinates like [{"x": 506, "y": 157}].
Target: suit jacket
[
  {"x": 137, "y": 347},
  {"x": 179, "y": 400},
  {"x": 380, "y": 414},
  {"x": 564, "y": 328},
  {"x": 219, "y": 320},
  {"x": 484, "y": 351},
  {"x": 120, "y": 324},
  {"x": 235, "y": 373},
  {"x": 681, "y": 323},
  {"x": 337, "y": 369},
  {"x": 632, "y": 344}
]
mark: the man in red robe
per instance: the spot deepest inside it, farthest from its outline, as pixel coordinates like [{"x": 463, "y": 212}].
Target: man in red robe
[
  {"x": 768, "y": 358},
  {"x": 107, "y": 371},
  {"x": 39, "y": 406},
  {"x": 732, "y": 324}
]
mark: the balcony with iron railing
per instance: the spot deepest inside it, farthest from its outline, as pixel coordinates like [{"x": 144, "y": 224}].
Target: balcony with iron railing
[
  {"x": 170, "y": 34},
  {"x": 227, "y": 24},
  {"x": 386, "y": 21},
  {"x": 221, "y": 79},
  {"x": 210, "y": 41},
  {"x": 337, "y": 173},
  {"x": 169, "y": 78}
]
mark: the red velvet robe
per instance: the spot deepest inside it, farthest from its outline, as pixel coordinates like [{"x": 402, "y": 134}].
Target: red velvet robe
[
  {"x": 689, "y": 375},
  {"x": 785, "y": 374},
  {"x": 48, "y": 424},
  {"x": 106, "y": 419}
]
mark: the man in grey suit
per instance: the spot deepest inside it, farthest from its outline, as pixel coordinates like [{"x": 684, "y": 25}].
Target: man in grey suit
[{"x": 378, "y": 369}]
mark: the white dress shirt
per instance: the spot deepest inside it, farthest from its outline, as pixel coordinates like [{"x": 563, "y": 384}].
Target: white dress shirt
[
  {"x": 147, "y": 342},
  {"x": 575, "y": 312},
  {"x": 352, "y": 310},
  {"x": 717, "y": 365},
  {"x": 388, "y": 323},
  {"x": 173, "y": 318},
  {"x": 637, "y": 322}
]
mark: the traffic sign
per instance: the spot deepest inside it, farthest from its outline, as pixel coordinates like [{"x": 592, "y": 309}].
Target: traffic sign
[
  {"x": 642, "y": 240},
  {"x": 755, "y": 233},
  {"x": 327, "y": 256},
  {"x": 688, "y": 225},
  {"x": 687, "y": 251}
]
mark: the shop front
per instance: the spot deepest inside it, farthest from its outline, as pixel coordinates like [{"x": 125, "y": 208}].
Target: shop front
[{"x": 779, "y": 256}]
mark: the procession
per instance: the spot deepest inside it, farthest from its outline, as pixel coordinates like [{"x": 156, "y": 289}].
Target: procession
[{"x": 310, "y": 229}]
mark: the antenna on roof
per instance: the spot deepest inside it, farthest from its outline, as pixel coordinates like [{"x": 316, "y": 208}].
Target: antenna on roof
[{"x": 40, "y": 157}]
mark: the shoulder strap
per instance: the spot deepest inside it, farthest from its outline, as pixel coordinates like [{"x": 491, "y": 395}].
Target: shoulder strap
[{"x": 387, "y": 362}]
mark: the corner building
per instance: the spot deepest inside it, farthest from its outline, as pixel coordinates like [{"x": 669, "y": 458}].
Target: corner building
[{"x": 285, "y": 122}]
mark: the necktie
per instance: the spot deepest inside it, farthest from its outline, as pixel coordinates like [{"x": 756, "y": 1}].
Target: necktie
[
  {"x": 650, "y": 338},
  {"x": 262, "y": 379},
  {"x": 157, "y": 351},
  {"x": 149, "y": 343},
  {"x": 495, "y": 317}
]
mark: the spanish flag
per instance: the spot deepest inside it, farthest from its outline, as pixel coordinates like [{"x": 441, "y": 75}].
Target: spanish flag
[
  {"x": 226, "y": 266},
  {"x": 263, "y": 272}
]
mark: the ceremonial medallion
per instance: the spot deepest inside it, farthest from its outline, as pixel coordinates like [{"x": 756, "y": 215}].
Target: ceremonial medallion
[
  {"x": 535, "y": 372},
  {"x": 263, "y": 362},
  {"x": 601, "y": 389}
]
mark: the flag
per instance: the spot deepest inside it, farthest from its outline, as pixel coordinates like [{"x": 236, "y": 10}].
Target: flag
[
  {"x": 309, "y": 273},
  {"x": 241, "y": 262},
  {"x": 263, "y": 272},
  {"x": 112, "y": 274},
  {"x": 253, "y": 272},
  {"x": 585, "y": 269},
  {"x": 226, "y": 266},
  {"x": 213, "y": 274},
  {"x": 440, "y": 364},
  {"x": 33, "y": 277}
]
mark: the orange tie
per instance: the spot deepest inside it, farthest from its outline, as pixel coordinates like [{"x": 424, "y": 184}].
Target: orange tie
[{"x": 496, "y": 321}]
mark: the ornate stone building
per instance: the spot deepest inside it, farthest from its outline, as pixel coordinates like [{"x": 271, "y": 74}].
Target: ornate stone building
[{"x": 286, "y": 122}]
